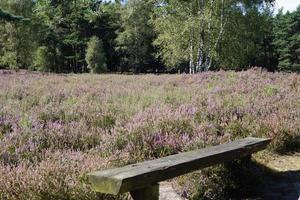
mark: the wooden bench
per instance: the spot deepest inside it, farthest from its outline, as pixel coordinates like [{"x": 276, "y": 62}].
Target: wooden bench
[{"x": 142, "y": 179}]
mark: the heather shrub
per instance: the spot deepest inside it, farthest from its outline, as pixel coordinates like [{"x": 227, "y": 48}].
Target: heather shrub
[
  {"x": 238, "y": 130},
  {"x": 4, "y": 129},
  {"x": 154, "y": 140},
  {"x": 271, "y": 90},
  {"x": 175, "y": 126},
  {"x": 284, "y": 141},
  {"x": 226, "y": 181},
  {"x": 9, "y": 59},
  {"x": 56, "y": 128},
  {"x": 48, "y": 116},
  {"x": 105, "y": 122},
  {"x": 60, "y": 176}
]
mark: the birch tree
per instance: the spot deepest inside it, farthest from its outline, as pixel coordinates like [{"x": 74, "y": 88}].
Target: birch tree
[{"x": 192, "y": 31}]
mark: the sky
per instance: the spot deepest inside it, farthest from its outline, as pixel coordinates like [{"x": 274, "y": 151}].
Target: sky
[{"x": 288, "y": 5}]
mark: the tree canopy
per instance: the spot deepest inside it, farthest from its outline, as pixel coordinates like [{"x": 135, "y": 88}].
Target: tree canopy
[{"x": 142, "y": 36}]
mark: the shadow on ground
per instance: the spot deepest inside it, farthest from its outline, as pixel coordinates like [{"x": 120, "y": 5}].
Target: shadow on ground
[
  {"x": 281, "y": 185},
  {"x": 278, "y": 179}
]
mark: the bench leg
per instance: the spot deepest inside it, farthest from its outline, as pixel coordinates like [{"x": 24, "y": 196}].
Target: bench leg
[{"x": 148, "y": 193}]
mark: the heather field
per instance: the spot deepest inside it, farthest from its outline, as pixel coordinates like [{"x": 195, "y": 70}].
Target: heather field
[{"x": 56, "y": 128}]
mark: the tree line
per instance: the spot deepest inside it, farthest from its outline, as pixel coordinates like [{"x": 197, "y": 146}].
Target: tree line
[{"x": 143, "y": 36}]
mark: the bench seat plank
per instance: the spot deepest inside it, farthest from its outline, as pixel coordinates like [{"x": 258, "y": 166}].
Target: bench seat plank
[{"x": 140, "y": 175}]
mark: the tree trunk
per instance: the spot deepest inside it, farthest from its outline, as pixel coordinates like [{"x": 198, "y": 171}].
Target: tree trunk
[
  {"x": 191, "y": 66},
  {"x": 200, "y": 55},
  {"x": 207, "y": 60},
  {"x": 199, "y": 59},
  {"x": 210, "y": 63},
  {"x": 221, "y": 32}
]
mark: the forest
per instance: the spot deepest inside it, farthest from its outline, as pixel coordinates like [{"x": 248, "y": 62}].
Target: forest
[{"x": 147, "y": 36}]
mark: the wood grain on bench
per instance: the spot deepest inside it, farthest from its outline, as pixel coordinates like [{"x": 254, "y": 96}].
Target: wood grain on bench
[{"x": 146, "y": 174}]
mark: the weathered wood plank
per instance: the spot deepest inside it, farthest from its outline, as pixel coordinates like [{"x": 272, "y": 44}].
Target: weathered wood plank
[{"x": 140, "y": 175}]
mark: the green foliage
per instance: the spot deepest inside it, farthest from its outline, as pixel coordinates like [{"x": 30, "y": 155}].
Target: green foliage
[
  {"x": 287, "y": 40},
  {"x": 9, "y": 17},
  {"x": 25, "y": 122},
  {"x": 9, "y": 59},
  {"x": 286, "y": 142},
  {"x": 105, "y": 122},
  {"x": 4, "y": 129},
  {"x": 17, "y": 41},
  {"x": 95, "y": 56},
  {"x": 212, "y": 34},
  {"x": 106, "y": 21},
  {"x": 271, "y": 90},
  {"x": 134, "y": 40},
  {"x": 148, "y": 36},
  {"x": 173, "y": 28},
  {"x": 226, "y": 181},
  {"x": 48, "y": 116},
  {"x": 237, "y": 130},
  {"x": 44, "y": 59},
  {"x": 175, "y": 126},
  {"x": 248, "y": 40}
]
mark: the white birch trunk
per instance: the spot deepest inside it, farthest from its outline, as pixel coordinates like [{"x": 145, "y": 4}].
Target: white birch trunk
[
  {"x": 191, "y": 65},
  {"x": 199, "y": 59},
  {"x": 208, "y": 50},
  {"x": 221, "y": 32},
  {"x": 200, "y": 55}
]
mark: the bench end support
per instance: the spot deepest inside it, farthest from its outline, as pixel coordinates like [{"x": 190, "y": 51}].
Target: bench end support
[{"x": 148, "y": 193}]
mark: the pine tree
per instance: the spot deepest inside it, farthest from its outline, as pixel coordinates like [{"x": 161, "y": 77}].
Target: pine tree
[
  {"x": 295, "y": 41},
  {"x": 287, "y": 40},
  {"x": 282, "y": 30},
  {"x": 17, "y": 42}
]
